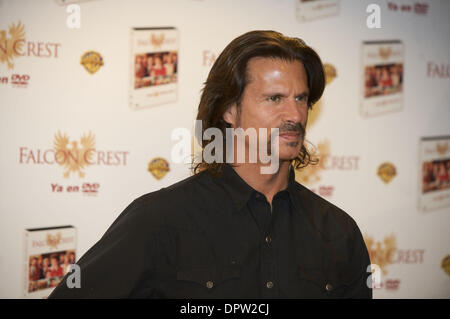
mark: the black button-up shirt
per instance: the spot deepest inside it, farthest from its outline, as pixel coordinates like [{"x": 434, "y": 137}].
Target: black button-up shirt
[{"x": 217, "y": 237}]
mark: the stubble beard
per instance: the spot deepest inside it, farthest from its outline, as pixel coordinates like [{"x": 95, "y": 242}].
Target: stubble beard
[{"x": 291, "y": 128}]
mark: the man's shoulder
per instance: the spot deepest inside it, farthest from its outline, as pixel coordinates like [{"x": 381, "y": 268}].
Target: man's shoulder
[
  {"x": 327, "y": 217},
  {"x": 186, "y": 189},
  {"x": 175, "y": 202}
]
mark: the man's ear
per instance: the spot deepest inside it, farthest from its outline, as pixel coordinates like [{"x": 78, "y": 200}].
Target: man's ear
[{"x": 230, "y": 115}]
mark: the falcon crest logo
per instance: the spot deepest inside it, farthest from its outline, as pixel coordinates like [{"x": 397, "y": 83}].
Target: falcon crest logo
[
  {"x": 442, "y": 148},
  {"x": 53, "y": 241},
  {"x": 10, "y": 46},
  {"x": 157, "y": 41},
  {"x": 445, "y": 264},
  {"x": 330, "y": 73},
  {"x": 311, "y": 173},
  {"x": 381, "y": 253},
  {"x": 75, "y": 157},
  {"x": 385, "y": 52}
]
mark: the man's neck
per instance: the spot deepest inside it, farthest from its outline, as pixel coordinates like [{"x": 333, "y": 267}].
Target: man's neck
[{"x": 267, "y": 184}]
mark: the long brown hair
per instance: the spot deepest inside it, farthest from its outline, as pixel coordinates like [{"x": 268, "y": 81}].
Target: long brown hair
[{"x": 228, "y": 78}]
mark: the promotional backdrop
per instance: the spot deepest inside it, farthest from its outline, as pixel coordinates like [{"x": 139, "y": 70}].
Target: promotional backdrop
[{"x": 91, "y": 95}]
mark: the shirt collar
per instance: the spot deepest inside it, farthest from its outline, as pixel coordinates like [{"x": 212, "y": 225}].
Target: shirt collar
[
  {"x": 240, "y": 192},
  {"x": 292, "y": 190}
]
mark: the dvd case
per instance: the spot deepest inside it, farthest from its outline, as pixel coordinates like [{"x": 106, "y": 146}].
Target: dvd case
[
  {"x": 382, "y": 77},
  {"x": 434, "y": 192},
  {"x": 154, "y": 66},
  {"x": 307, "y": 10},
  {"x": 49, "y": 252}
]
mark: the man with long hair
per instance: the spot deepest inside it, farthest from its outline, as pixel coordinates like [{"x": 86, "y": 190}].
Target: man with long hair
[{"x": 231, "y": 231}]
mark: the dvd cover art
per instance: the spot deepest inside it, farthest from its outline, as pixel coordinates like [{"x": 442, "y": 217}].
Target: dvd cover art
[
  {"x": 154, "y": 66},
  {"x": 307, "y": 10},
  {"x": 434, "y": 173},
  {"x": 49, "y": 252},
  {"x": 382, "y": 77}
]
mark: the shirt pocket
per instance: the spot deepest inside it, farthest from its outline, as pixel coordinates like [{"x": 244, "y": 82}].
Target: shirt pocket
[
  {"x": 204, "y": 282},
  {"x": 319, "y": 283}
]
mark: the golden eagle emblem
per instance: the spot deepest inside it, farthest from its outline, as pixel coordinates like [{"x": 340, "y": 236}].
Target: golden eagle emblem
[
  {"x": 9, "y": 47},
  {"x": 53, "y": 241},
  {"x": 442, "y": 148},
  {"x": 157, "y": 41},
  {"x": 379, "y": 255},
  {"x": 330, "y": 72},
  {"x": 445, "y": 264},
  {"x": 76, "y": 157},
  {"x": 311, "y": 173},
  {"x": 385, "y": 52}
]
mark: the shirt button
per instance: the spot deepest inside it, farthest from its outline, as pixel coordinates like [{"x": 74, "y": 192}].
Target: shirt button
[
  {"x": 269, "y": 284},
  {"x": 328, "y": 287},
  {"x": 268, "y": 239},
  {"x": 209, "y": 284}
]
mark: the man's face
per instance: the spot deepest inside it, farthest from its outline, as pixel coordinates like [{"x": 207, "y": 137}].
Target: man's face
[{"x": 276, "y": 96}]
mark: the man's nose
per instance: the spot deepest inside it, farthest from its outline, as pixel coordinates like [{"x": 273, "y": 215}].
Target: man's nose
[{"x": 293, "y": 111}]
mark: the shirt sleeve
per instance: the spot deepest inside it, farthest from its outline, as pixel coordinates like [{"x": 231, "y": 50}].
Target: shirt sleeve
[
  {"x": 358, "y": 287},
  {"x": 114, "y": 266}
]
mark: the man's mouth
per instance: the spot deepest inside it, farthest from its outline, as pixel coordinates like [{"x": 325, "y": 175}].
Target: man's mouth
[{"x": 291, "y": 136}]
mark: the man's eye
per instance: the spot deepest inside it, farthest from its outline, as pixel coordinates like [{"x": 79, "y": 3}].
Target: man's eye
[
  {"x": 302, "y": 98},
  {"x": 275, "y": 98}
]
